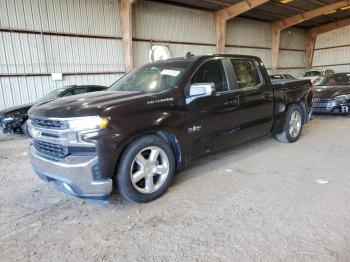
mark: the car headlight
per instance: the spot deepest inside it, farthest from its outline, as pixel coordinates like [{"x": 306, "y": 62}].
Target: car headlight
[
  {"x": 342, "y": 98},
  {"x": 87, "y": 123}
]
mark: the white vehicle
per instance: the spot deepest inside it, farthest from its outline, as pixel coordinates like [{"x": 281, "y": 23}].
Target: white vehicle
[{"x": 313, "y": 75}]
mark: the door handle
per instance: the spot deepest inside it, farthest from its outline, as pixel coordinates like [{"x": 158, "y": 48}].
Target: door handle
[
  {"x": 232, "y": 103},
  {"x": 266, "y": 96},
  {"x": 229, "y": 103}
]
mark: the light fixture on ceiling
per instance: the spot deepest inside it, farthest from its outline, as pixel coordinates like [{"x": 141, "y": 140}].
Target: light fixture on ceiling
[
  {"x": 345, "y": 7},
  {"x": 285, "y": 1},
  {"x": 330, "y": 12},
  {"x": 159, "y": 52}
]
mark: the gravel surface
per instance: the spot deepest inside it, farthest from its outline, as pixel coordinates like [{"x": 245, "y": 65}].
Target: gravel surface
[{"x": 261, "y": 201}]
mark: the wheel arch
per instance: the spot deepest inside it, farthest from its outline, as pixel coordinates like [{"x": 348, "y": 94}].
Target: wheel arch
[{"x": 170, "y": 137}]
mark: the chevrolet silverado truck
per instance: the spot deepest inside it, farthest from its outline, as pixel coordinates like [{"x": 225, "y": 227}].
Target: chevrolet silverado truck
[{"x": 156, "y": 120}]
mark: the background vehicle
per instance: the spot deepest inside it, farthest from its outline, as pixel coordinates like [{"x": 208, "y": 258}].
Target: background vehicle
[
  {"x": 159, "y": 118},
  {"x": 313, "y": 75},
  {"x": 332, "y": 94},
  {"x": 281, "y": 78},
  {"x": 13, "y": 120}
]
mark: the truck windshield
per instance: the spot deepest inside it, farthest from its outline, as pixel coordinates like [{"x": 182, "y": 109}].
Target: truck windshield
[
  {"x": 312, "y": 73},
  {"x": 152, "y": 78}
]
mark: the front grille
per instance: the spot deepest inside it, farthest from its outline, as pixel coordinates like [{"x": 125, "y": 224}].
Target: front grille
[
  {"x": 49, "y": 123},
  {"x": 51, "y": 150},
  {"x": 322, "y": 103}
]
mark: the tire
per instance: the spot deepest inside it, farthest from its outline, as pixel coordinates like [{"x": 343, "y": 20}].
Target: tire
[
  {"x": 141, "y": 167},
  {"x": 24, "y": 129},
  {"x": 291, "y": 133}
]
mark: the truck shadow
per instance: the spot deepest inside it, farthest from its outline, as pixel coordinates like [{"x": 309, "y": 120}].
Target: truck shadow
[{"x": 222, "y": 160}]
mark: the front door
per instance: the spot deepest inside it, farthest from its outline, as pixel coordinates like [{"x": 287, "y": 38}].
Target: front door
[{"x": 211, "y": 122}]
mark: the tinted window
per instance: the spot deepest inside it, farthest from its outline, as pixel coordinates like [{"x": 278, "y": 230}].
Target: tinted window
[
  {"x": 75, "y": 91},
  {"x": 50, "y": 96},
  {"x": 313, "y": 73},
  {"x": 78, "y": 91},
  {"x": 334, "y": 80},
  {"x": 247, "y": 73},
  {"x": 212, "y": 72},
  {"x": 94, "y": 88}
]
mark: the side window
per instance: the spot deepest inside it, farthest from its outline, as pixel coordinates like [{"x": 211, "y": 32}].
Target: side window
[
  {"x": 94, "y": 88},
  {"x": 247, "y": 73},
  {"x": 69, "y": 93},
  {"x": 78, "y": 91},
  {"x": 75, "y": 91},
  {"x": 212, "y": 72}
]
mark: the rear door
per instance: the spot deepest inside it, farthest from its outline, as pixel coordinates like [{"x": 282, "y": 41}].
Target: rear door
[{"x": 256, "y": 98}]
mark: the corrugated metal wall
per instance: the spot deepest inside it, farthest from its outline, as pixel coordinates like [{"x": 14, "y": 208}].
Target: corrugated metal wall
[
  {"x": 332, "y": 50},
  {"x": 193, "y": 30},
  {"x": 81, "y": 39},
  {"x": 254, "y": 37},
  {"x": 184, "y": 30}
]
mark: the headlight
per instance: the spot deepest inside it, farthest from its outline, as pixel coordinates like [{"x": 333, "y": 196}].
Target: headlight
[
  {"x": 87, "y": 123},
  {"x": 342, "y": 99}
]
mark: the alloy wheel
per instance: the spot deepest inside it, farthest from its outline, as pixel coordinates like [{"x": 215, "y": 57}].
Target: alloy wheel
[{"x": 149, "y": 169}]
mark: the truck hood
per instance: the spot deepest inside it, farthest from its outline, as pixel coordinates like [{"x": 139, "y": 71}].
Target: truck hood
[
  {"x": 15, "y": 108},
  {"x": 327, "y": 92},
  {"x": 88, "y": 104}
]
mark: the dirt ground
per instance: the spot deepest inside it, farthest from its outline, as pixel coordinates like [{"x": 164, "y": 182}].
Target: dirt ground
[{"x": 257, "y": 202}]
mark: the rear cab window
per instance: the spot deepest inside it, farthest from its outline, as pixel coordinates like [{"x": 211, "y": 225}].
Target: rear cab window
[{"x": 247, "y": 73}]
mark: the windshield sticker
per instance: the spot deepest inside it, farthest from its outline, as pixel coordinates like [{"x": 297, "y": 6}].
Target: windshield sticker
[{"x": 169, "y": 72}]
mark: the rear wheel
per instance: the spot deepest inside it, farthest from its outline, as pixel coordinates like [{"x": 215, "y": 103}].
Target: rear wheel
[
  {"x": 293, "y": 125},
  {"x": 146, "y": 169}
]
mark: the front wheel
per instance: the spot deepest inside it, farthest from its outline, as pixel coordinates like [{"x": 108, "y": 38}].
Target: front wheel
[
  {"x": 24, "y": 129},
  {"x": 146, "y": 169},
  {"x": 293, "y": 125}
]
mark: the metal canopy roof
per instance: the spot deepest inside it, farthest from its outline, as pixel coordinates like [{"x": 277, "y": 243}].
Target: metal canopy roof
[{"x": 272, "y": 10}]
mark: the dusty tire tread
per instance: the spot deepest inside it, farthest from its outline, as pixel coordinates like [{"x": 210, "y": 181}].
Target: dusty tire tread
[
  {"x": 123, "y": 182},
  {"x": 284, "y": 136}
]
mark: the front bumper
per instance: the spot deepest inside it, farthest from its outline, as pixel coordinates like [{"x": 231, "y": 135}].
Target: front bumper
[
  {"x": 75, "y": 175},
  {"x": 6, "y": 125},
  {"x": 330, "y": 107}
]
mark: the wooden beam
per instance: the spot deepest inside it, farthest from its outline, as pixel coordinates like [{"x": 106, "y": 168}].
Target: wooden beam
[
  {"x": 220, "y": 35},
  {"x": 299, "y": 18},
  {"x": 330, "y": 26},
  {"x": 126, "y": 20},
  {"x": 227, "y": 13},
  {"x": 275, "y": 44},
  {"x": 310, "y": 46},
  {"x": 239, "y": 8},
  {"x": 282, "y": 24},
  {"x": 315, "y": 31}
]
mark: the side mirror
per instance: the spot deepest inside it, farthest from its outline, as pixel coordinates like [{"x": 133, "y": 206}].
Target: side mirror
[{"x": 200, "y": 90}]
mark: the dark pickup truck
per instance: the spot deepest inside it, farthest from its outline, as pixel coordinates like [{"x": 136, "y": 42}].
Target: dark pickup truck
[{"x": 158, "y": 118}]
